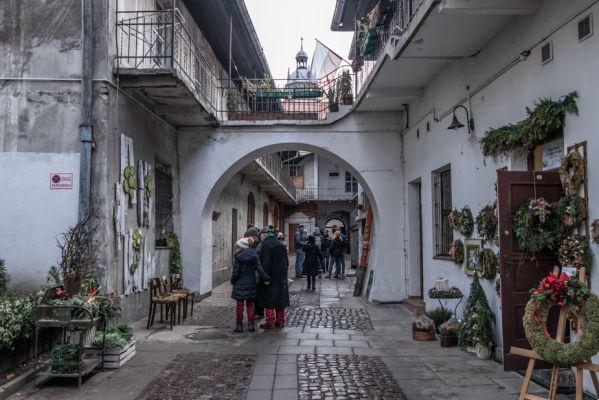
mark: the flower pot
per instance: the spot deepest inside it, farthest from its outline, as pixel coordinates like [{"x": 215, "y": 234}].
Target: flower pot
[
  {"x": 448, "y": 341},
  {"x": 483, "y": 352},
  {"x": 423, "y": 336},
  {"x": 116, "y": 358},
  {"x": 334, "y": 107}
]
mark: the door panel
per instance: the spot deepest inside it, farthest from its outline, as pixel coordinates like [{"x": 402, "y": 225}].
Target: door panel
[
  {"x": 291, "y": 237},
  {"x": 519, "y": 271}
]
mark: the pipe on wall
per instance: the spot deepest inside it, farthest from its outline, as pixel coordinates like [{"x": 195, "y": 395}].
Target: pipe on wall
[{"x": 86, "y": 128}]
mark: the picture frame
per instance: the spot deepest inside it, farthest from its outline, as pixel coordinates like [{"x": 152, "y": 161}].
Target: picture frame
[{"x": 472, "y": 249}]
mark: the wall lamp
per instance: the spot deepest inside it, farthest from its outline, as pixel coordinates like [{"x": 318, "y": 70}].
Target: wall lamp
[{"x": 456, "y": 124}]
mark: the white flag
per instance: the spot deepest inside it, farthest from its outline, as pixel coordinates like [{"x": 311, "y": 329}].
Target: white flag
[{"x": 324, "y": 61}]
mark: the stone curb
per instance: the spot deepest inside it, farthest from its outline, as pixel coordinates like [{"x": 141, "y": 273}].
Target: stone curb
[{"x": 13, "y": 386}]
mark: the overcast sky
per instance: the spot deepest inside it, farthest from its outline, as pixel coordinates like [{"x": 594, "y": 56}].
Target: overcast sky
[{"x": 281, "y": 23}]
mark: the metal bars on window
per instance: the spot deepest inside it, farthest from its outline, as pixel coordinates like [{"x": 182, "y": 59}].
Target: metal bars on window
[
  {"x": 163, "y": 204},
  {"x": 443, "y": 233}
]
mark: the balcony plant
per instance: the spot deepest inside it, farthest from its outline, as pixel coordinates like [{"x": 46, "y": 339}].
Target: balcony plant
[
  {"x": 423, "y": 328},
  {"x": 333, "y": 104},
  {"x": 344, "y": 89},
  {"x": 232, "y": 102}
]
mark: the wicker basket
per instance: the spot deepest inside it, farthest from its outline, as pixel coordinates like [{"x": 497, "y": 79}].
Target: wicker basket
[
  {"x": 448, "y": 341},
  {"x": 423, "y": 336}
]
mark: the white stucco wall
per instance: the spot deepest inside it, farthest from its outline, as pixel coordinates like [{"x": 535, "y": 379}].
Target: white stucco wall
[{"x": 32, "y": 215}]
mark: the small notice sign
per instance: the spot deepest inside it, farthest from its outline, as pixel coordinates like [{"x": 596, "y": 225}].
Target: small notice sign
[{"x": 61, "y": 180}]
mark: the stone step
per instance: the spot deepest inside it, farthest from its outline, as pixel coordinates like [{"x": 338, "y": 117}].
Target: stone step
[{"x": 415, "y": 304}]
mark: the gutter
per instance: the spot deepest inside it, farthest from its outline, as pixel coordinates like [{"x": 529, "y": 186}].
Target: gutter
[{"x": 86, "y": 128}]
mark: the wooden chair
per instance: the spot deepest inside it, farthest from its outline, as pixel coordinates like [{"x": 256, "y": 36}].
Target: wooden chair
[
  {"x": 177, "y": 287},
  {"x": 180, "y": 297},
  {"x": 157, "y": 297}
]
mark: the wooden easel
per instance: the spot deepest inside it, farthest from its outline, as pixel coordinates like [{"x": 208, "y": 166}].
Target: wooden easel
[{"x": 533, "y": 357}]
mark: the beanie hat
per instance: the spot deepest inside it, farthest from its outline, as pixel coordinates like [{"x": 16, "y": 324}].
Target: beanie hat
[
  {"x": 244, "y": 243},
  {"x": 252, "y": 231}
]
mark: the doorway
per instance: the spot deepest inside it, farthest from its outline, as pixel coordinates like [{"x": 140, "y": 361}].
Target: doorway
[
  {"x": 416, "y": 258},
  {"x": 291, "y": 237}
]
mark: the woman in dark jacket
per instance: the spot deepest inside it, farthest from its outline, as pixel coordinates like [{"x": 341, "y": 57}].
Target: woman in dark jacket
[
  {"x": 243, "y": 280},
  {"x": 337, "y": 250},
  {"x": 274, "y": 297},
  {"x": 311, "y": 266}
]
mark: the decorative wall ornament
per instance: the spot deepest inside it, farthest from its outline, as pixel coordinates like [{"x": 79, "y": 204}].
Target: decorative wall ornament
[
  {"x": 487, "y": 264},
  {"x": 572, "y": 172},
  {"x": 128, "y": 178},
  {"x": 145, "y": 191},
  {"x": 486, "y": 222},
  {"x": 456, "y": 252},
  {"x": 133, "y": 261},
  {"x": 572, "y": 212},
  {"x": 536, "y": 226},
  {"x": 575, "y": 252},
  {"x": 462, "y": 221},
  {"x": 472, "y": 254}
]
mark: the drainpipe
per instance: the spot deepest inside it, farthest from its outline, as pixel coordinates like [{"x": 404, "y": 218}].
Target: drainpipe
[{"x": 85, "y": 129}]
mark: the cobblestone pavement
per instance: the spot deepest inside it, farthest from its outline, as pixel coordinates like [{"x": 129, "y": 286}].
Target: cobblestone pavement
[{"x": 197, "y": 356}]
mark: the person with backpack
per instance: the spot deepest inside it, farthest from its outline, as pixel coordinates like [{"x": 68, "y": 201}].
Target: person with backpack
[
  {"x": 318, "y": 241},
  {"x": 311, "y": 262},
  {"x": 337, "y": 251}
]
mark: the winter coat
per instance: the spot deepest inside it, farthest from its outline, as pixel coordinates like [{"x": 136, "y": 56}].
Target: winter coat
[
  {"x": 275, "y": 262},
  {"x": 243, "y": 277},
  {"x": 312, "y": 261},
  {"x": 337, "y": 247},
  {"x": 299, "y": 240},
  {"x": 326, "y": 244}
]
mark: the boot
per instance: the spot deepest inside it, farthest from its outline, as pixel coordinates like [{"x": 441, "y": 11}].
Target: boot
[
  {"x": 251, "y": 327},
  {"x": 238, "y": 328},
  {"x": 266, "y": 326}
]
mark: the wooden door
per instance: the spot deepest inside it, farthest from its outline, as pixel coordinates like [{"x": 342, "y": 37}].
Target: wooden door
[
  {"x": 291, "y": 237},
  {"x": 519, "y": 271}
]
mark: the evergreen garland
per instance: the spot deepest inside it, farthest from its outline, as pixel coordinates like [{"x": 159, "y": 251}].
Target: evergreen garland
[
  {"x": 456, "y": 252},
  {"x": 572, "y": 212},
  {"x": 478, "y": 321},
  {"x": 575, "y": 251},
  {"x": 486, "y": 222},
  {"x": 488, "y": 263},
  {"x": 536, "y": 226},
  {"x": 462, "y": 221},
  {"x": 541, "y": 124}
]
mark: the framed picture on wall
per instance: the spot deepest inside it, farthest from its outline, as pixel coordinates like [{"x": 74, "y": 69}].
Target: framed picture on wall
[{"x": 472, "y": 249}]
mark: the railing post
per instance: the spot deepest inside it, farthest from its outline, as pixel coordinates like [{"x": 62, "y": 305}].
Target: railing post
[{"x": 174, "y": 18}]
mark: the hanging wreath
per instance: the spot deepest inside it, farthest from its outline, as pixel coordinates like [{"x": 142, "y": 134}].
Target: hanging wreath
[
  {"x": 572, "y": 212},
  {"x": 572, "y": 172},
  {"x": 535, "y": 226},
  {"x": 462, "y": 221},
  {"x": 575, "y": 252},
  {"x": 563, "y": 292},
  {"x": 487, "y": 264},
  {"x": 456, "y": 252},
  {"x": 486, "y": 222}
]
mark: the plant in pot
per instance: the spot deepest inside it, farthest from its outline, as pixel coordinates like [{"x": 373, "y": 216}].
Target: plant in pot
[
  {"x": 344, "y": 89},
  {"x": 449, "y": 332},
  {"x": 423, "y": 328},
  {"x": 439, "y": 315},
  {"x": 333, "y": 103}
]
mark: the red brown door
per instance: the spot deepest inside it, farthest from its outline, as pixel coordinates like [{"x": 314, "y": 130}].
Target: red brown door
[
  {"x": 291, "y": 237},
  {"x": 519, "y": 271}
]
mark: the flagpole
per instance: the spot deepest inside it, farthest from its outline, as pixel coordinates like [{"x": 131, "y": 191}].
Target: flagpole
[{"x": 332, "y": 51}]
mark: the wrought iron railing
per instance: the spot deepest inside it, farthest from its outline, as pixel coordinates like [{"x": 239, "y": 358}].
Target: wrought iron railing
[
  {"x": 391, "y": 19},
  {"x": 272, "y": 163},
  {"x": 288, "y": 99},
  {"x": 145, "y": 42},
  {"x": 326, "y": 193}
]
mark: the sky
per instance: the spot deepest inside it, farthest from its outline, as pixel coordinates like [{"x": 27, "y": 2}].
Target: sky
[{"x": 281, "y": 23}]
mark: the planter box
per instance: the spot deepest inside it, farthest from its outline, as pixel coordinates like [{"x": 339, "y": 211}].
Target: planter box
[
  {"x": 448, "y": 341},
  {"x": 423, "y": 336},
  {"x": 116, "y": 358}
]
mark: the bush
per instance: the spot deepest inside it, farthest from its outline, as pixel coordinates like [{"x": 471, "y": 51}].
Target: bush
[
  {"x": 122, "y": 329},
  {"x": 17, "y": 318},
  {"x": 4, "y": 279},
  {"x": 64, "y": 359}
]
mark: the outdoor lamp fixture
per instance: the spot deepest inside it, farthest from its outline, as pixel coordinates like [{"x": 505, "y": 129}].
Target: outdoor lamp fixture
[{"x": 456, "y": 124}]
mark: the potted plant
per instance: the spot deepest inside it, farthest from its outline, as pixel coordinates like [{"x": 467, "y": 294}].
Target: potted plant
[
  {"x": 119, "y": 345},
  {"x": 448, "y": 333},
  {"x": 423, "y": 328},
  {"x": 476, "y": 331},
  {"x": 344, "y": 89},
  {"x": 439, "y": 315},
  {"x": 333, "y": 104}
]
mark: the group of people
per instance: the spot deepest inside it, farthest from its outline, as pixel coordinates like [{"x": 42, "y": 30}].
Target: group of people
[
  {"x": 323, "y": 251},
  {"x": 259, "y": 278}
]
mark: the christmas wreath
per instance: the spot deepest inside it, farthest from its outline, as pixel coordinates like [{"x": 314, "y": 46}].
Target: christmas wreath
[
  {"x": 535, "y": 226},
  {"x": 451, "y": 293},
  {"x": 572, "y": 211},
  {"x": 563, "y": 292},
  {"x": 462, "y": 221},
  {"x": 456, "y": 252},
  {"x": 487, "y": 263},
  {"x": 575, "y": 252},
  {"x": 572, "y": 172},
  {"x": 486, "y": 222}
]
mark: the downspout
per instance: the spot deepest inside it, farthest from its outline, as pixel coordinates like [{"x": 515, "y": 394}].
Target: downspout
[
  {"x": 85, "y": 129},
  {"x": 404, "y": 200}
]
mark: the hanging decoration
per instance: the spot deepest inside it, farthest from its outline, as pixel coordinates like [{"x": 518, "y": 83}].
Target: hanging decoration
[
  {"x": 575, "y": 252},
  {"x": 542, "y": 123},
  {"x": 572, "y": 212},
  {"x": 487, "y": 264},
  {"x": 133, "y": 261},
  {"x": 137, "y": 242},
  {"x": 456, "y": 252},
  {"x": 486, "y": 222},
  {"x": 562, "y": 291},
  {"x": 572, "y": 172},
  {"x": 462, "y": 221},
  {"x": 146, "y": 189},
  {"x": 536, "y": 226},
  {"x": 128, "y": 179}
]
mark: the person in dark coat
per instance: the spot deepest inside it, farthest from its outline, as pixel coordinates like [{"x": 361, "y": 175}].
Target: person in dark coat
[
  {"x": 326, "y": 244},
  {"x": 243, "y": 280},
  {"x": 337, "y": 250},
  {"x": 255, "y": 234},
  {"x": 274, "y": 297},
  {"x": 311, "y": 266}
]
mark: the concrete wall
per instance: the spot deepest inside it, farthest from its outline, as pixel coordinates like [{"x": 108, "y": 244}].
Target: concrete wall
[{"x": 573, "y": 67}]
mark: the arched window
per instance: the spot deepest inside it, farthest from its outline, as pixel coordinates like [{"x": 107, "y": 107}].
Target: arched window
[
  {"x": 265, "y": 215},
  {"x": 251, "y": 209}
]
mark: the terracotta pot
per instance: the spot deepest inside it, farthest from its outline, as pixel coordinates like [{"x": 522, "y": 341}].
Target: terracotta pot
[
  {"x": 72, "y": 285},
  {"x": 448, "y": 341},
  {"x": 423, "y": 336}
]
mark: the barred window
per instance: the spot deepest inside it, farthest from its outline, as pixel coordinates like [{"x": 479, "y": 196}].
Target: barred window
[
  {"x": 443, "y": 234},
  {"x": 351, "y": 183},
  {"x": 251, "y": 209},
  {"x": 163, "y": 204}
]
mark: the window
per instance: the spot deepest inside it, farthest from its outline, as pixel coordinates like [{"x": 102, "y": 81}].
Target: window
[
  {"x": 296, "y": 170},
  {"x": 585, "y": 28},
  {"x": 333, "y": 174},
  {"x": 251, "y": 209},
  {"x": 547, "y": 53},
  {"x": 265, "y": 215},
  {"x": 443, "y": 234},
  {"x": 351, "y": 183},
  {"x": 163, "y": 203}
]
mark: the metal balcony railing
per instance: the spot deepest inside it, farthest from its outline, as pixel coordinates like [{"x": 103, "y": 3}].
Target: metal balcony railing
[
  {"x": 272, "y": 163},
  {"x": 391, "y": 18},
  {"x": 326, "y": 193},
  {"x": 155, "y": 41},
  {"x": 288, "y": 99}
]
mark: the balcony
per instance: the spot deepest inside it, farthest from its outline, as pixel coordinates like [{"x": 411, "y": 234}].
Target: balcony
[
  {"x": 325, "y": 194},
  {"x": 400, "y": 45},
  {"x": 267, "y": 173},
  {"x": 160, "y": 64}
]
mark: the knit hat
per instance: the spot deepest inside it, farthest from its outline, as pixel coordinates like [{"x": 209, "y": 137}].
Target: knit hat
[
  {"x": 244, "y": 243},
  {"x": 311, "y": 239},
  {"x": 252, "y": 231},
  {"x": 265, "y": 230}
]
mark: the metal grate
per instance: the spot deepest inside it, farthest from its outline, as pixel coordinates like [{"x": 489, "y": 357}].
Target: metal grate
[
  {"x": 163, "y": 201},
  {"x": 442, "y": 209}
]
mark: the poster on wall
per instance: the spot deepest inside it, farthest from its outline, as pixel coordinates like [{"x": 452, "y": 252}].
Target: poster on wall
[
  {"x": 553, "y": 154},
  {"x": 61, "y": 180}
]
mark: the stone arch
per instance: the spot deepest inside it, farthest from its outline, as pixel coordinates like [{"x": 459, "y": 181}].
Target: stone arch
[{"x": 208, "y": 161}]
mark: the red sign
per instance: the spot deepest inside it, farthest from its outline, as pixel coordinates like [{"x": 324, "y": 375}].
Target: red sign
[{"x": 61, "y": 180}]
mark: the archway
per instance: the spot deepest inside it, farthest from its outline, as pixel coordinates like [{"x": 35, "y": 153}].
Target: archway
[{"x": 371, "y": 158}]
